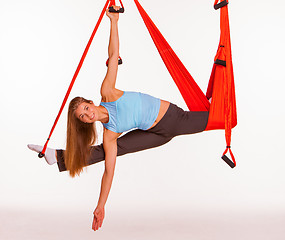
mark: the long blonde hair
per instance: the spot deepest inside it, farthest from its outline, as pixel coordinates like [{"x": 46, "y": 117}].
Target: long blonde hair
[{"x": 79, "y": 139}]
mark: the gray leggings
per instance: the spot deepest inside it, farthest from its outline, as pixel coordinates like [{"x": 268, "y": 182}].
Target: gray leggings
[{"x": 175, "y": 122}]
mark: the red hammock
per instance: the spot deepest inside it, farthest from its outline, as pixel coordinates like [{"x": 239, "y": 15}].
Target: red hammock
[{"x": 221, "y": 92}]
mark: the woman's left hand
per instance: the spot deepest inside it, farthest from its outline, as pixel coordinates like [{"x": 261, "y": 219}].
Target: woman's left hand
[
  {"x": 111, "y": 15},
  {"x": 99, "y": 215}
]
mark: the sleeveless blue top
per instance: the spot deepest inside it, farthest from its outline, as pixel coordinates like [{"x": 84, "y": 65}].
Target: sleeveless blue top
[{"x": 131, "y": 110}]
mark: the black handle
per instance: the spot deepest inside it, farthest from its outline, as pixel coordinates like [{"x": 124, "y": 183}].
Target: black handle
[
  {"x": 221, "y": 4},
  {"x": 112, "y": 10},
  {"x": 228, "y": 161},
  {"x": 120, "y": 61},
  {"x": 221, "y": 62}
]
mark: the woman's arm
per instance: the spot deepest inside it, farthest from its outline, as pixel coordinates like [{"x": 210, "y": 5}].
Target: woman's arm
[
  {"x": 110, "y": 148},
  {"x": 113, "y": 52}
]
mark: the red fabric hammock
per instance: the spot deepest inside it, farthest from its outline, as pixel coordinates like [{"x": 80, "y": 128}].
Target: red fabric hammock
[{"x": 221, "y": 92}]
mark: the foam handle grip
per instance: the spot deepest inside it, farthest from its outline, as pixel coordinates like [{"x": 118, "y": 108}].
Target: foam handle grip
[
  {"x": 228, "y": 161},
  {"x": 112, "y": 10}
]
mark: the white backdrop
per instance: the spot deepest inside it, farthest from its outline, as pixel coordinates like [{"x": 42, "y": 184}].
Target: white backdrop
[{"x": 41, "y": 43}]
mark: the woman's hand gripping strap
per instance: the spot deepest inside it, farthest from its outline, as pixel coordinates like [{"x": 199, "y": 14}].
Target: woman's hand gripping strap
[{"x": 112, "y": 10}]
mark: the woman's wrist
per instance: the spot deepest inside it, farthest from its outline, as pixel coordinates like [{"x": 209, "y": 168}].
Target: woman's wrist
[
  {"x": 114, "y": 20},
  {"x": 100, "y": 205}
]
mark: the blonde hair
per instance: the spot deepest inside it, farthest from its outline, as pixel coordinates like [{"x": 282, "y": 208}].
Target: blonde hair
[{"x": 79, "y": 139}]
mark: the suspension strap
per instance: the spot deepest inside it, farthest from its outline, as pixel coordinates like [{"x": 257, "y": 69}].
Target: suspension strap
[
  {"x": 113, "y": 3},
  {"x": 42, "y": 153},
  {"x": 224, "y": 58}
]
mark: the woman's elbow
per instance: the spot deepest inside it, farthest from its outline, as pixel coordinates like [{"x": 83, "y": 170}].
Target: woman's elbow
[{"x": 113, "y": 55}]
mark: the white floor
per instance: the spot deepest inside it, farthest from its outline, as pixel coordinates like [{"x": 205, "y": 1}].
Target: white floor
[{"x": 142, "y": 225}]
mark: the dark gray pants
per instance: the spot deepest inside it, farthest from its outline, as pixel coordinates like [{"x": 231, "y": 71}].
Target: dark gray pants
[{"x": 175, "y": 122}]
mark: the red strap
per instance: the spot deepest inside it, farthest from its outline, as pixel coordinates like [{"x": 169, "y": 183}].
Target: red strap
[
  {"x": 75, "y": 74},
  {"x": 221, "y": 86},
  {"x": 113, "y": 3}
]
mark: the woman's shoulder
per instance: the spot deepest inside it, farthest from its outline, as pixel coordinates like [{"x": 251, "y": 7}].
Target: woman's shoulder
[
  {"x": 110, "y": 135},
  {"x": 111, "y": 95}
]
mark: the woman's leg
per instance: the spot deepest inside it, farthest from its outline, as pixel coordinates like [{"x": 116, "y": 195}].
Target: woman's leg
[
  {"x": 175, "y": 122},
  {"x": 133, "y": 141}
]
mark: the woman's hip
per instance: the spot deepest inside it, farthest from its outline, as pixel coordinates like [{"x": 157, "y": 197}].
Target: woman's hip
[{"x": 176, "y": 121}]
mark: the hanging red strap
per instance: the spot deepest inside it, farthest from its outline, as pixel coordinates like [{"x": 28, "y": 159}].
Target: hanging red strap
[
  {"x": 221, "y": 86},
  {"x": 42, "y": 153},
  {"x": 113, "y": 3}
]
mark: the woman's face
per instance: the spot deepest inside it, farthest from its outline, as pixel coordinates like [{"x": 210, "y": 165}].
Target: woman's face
[{"x": 87, "y": 112}]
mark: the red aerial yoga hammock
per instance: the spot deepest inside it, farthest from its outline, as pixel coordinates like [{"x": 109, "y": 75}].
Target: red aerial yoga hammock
[
  {"x": 220, "y": 97},
  {"x": 221, "y": 91}
]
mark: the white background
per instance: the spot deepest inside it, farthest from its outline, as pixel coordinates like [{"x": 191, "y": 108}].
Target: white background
[{"x": 182, "y": 189}]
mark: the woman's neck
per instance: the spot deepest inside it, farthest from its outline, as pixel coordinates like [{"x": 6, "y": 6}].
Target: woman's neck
[{"x": 103, "y": 115}]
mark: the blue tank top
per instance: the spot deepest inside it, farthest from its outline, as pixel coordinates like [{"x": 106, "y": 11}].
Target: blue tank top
[{"x": 131, "y": 110}]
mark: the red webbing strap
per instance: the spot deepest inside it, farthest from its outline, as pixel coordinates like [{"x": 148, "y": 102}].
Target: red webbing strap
[
  {"x": 113, "y": 3},
  {"x": 221, "y": 85},
  {"x": 75, "y": 76},
  {"x": 190, "y": 91}
]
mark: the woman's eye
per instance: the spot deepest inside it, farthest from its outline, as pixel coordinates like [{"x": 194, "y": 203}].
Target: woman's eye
[{"x": 87, "y": 108}]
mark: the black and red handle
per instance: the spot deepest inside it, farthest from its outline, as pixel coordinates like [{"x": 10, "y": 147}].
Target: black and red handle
[
  {"x": 120, "y": 61},
  {"x": 221, "y": 4},
  {"x": 112, "y": 10},
  {"x": 228, "y": 161}
]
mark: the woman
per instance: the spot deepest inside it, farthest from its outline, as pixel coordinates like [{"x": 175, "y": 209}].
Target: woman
[{"x": 155, "y": 122}]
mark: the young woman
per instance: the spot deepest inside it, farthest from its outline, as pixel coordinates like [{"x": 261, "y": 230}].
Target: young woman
[{"x": 155, "y": 122}]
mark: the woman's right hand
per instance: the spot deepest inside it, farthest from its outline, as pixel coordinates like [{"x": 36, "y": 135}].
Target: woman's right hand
[
  {"x": 98, "y": 218},
  {"x": 113, "y": 16}
]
